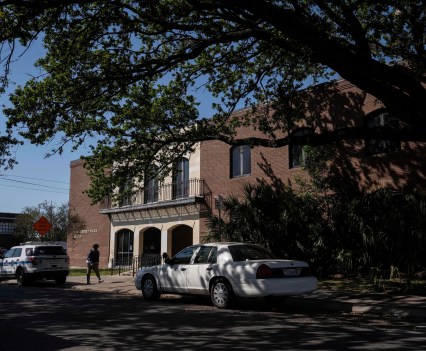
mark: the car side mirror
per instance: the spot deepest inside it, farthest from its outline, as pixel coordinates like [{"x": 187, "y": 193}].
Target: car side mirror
[{"x": 168, "y": 261}]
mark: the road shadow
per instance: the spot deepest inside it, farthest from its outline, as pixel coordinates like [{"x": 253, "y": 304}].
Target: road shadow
[{"x": 50, "y": 318}]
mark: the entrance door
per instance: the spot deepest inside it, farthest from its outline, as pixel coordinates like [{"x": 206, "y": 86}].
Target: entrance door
[
  {"x": 152, "y": 241},
  {"x": 124, "y": 247}
]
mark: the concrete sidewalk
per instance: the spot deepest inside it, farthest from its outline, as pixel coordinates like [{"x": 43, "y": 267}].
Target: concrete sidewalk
[
  {"x": 118, "y": 284},
  {"x": 403, "y": 306}
]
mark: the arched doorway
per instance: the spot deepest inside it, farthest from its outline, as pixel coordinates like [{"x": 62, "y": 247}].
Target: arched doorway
[
  {"x": 181, "y": 238},
  {"x": 152, "y": 241},
  {"x": 124, "y": 247}
]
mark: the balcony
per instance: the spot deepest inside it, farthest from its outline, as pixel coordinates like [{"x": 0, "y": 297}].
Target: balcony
[{"x": 192, "y": 192}]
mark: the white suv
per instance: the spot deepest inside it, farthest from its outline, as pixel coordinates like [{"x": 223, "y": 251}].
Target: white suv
[{"x": 26, "y": 263}]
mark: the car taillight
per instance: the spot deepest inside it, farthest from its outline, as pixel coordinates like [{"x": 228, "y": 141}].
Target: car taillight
[
  {"x": 33, "y": 260},
  {"x": 263, "y": 272}
]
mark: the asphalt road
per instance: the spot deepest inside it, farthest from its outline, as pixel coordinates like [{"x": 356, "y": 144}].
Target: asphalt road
[{"x": 44, "y": 317}]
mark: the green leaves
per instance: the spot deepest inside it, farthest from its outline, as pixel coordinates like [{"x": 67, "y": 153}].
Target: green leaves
[
  {"x": 291, "y": 227},
  {"x": 127, "y": 76}
]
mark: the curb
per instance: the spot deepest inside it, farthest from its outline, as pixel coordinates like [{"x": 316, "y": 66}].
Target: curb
[
  {"x": 359, "y": 307},
  {"x": 320, "y": 300}
]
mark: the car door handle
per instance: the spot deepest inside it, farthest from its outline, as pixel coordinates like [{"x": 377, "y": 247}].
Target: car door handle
[{"x": 183, "y": 269}]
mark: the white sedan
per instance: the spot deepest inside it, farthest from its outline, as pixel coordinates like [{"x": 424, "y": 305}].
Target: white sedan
[{"x": 225, "y": 271}]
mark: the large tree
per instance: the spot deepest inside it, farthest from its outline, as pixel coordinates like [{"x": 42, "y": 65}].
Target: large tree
[{"x": 126, "y": 73}]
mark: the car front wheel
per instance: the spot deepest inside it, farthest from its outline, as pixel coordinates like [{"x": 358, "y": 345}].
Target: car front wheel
[
  {"x": 21, "y": 278},
  {"x": 221, "y": 294},
  {"x": 149, "y": 288}
]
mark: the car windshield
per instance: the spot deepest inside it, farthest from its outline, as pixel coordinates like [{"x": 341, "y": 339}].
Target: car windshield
[
  {"x": 249, "y": 252},
  {"x": 48, "y": 250},
  {"x": 9, "y": 253}
]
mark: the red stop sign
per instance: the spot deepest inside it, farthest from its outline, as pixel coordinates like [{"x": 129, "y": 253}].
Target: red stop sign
[{"x": 42, "y": 226}]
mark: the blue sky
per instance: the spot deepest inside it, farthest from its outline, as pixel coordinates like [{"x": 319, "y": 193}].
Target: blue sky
[{"x": 35, "y": 178}]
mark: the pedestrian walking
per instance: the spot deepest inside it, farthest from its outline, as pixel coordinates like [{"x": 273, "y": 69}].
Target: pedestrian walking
[
  {"x": 165, "y": 256},
  {"x": 93, "y": 263}
]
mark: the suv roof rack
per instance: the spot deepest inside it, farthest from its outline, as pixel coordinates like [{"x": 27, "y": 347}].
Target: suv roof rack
[{"x": 58, "y": 243}]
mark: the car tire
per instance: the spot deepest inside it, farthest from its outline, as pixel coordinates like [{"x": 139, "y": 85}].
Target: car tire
[
  {"x": 21, "y": 278},
  {"x": 221, "y": 293},
  {"x": 61, "y": 280},
  {"x": 149, "y": 288}
]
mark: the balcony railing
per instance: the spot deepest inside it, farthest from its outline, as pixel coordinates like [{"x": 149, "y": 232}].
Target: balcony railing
[{"x": 162, "y": 193}]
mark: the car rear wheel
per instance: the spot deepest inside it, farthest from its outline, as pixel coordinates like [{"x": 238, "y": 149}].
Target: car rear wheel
[
  {"x": 22, "y": 278},
  {"x": 149, "y": 288},
  {"x": 221, "y": 293}
]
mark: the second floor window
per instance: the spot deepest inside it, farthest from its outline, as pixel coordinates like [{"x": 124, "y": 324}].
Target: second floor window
[
  {"x": 181, "y": 179},
  {"x": 151, "y": 191},
  {"x": 381, "y": 118},
  {"x": 126, "y": 194},
  {"x": 240, "y": 160},
  {"x": 297, "y": 152}
]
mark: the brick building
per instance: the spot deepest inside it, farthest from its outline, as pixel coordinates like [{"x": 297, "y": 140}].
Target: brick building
[
  {"x": 169, "y": 216},
  {"x": 95, "y": 228},
  {"x": 7, "y": 229}
]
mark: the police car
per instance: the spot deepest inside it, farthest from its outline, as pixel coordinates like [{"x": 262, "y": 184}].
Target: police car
[{"x": 27, "y": 263}]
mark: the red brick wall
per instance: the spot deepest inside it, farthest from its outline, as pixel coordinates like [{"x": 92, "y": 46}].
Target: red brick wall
[
  {"x": 215, "y": 168},
  {"x": 344, "y": 103},
  {"x": 348, "y": 106},
  {"x": 96, "y": 228}
]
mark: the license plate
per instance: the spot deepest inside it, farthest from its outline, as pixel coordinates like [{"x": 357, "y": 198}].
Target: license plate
[{"x": 290, "y": 272}]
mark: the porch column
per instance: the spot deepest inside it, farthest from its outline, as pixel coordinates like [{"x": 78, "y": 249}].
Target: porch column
[
  {"x": 137, "y": 248},
  {"x": 111, "y": 246},
  {"x": 164, "y": 241}
]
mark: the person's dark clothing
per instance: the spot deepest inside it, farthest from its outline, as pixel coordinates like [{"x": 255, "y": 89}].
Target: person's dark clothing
[
  {"x": 93, "y": 256},
  {"x": 93, "y": 264}
]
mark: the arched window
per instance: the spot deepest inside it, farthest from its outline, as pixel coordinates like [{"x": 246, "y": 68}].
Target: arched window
[
  {"x": 181, "y": 179},
  {"x": 297, "y": 157},
  {"x": 381, "y": 118},
  {"x": 240, "y": 161}
]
